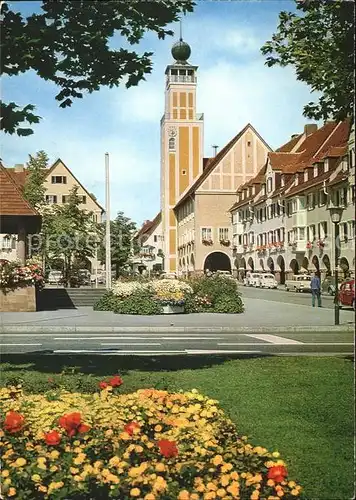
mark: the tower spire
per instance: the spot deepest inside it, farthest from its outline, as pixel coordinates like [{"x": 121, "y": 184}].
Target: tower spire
[{"x": 180, "y": 31}]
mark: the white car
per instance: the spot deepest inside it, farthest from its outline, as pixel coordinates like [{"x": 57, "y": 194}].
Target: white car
[
  {"x": 55, "y": 277},
  {"x": 298, "y": 283},
  {"x": 253, "y": 279},
  {"x": 267, "y": 281}
]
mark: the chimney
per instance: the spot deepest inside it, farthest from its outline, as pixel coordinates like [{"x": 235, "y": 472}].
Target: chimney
[
  {"x": 19, "y": 167},
  {"x": 215, "y": 148},
  {"x": 310, "y": 128}
]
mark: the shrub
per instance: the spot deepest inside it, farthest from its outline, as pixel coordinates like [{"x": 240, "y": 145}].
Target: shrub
[
  {"x": 149, "y": 444},
  {"x": 198, "y": 304},
  {"x": 170, "y": 292},
  {"x": 231, "y": 304},
  {"x": 107, "y": 302},
  {"x": 13, "y": 275},
  {"x": 140, "y": 302},
  {"x": 214, "y": 286}
]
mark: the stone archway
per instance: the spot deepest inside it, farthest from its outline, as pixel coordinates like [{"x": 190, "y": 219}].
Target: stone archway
[
  {"x": 282, "y": 266},
  {"x": 262, "y": 264},
  {"x": 305, "y": 265},
  {"x": 294, "y": 266},
  {"x": 270, "y": 264},
  {"x": 316, "y": 264},
  {"x": 326, "y": 263},
  {"x": 217, "y": 261},
  {"x": 344, "y": 266},
  {"x": 251, "y": 264}
]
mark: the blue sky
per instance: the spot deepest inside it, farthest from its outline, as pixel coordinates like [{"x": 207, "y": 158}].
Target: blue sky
[{"x": 234, "y": 87}]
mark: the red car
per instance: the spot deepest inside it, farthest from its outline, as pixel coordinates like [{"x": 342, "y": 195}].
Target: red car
[{"x": 347, "y": 294}]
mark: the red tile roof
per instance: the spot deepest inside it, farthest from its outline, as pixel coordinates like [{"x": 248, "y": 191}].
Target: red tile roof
[
  {"x": 19, "y": 177},
  {"x": 149, "y": 225},
  {"x": 210, "y": 165},
  {"x": 12, "y": 201},
  {"x": 287, "y": 148}
]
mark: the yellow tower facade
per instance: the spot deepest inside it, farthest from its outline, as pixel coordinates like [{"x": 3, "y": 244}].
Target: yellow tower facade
[{"x": 181, "y": 144}]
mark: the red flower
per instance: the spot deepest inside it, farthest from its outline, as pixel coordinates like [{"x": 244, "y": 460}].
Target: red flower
[
  {"x": 103, "y": 384},
  {"x": 168, "y": 448},
  {"x": 52, "y": 438},
  {"x": 13, "y": 422},
  {"x": 72, "y": 423},
  {"x": 115, "y": 381},
  {"x": 277, "y": 473},
  {"x": 129, "y": 428}
]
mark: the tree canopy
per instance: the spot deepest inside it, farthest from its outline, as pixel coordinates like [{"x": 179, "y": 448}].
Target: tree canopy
[
  {"x": 319, "y": 42},
  {"x": 34, "y": 188},
  {"x": 71, "y": 44}
]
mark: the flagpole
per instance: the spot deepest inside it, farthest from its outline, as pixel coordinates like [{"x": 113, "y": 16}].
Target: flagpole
[{"x": 107, "y": 234}]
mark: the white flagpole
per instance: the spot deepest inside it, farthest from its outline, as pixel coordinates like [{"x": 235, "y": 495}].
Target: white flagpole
[{"x": 107, "y": 239}]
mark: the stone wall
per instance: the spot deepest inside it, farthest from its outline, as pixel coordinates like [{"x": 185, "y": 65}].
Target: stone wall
[{"x": 19, "y": 300}]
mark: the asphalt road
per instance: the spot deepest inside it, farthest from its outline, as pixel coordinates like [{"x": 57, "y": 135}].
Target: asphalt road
[
  {"x": 303, "y": 343},
  {"x": 281, "y": 295}
]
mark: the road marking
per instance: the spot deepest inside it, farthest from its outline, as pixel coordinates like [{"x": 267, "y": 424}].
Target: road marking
[
  {"x": 17, "y": 344},
  {"x": 131, "y": 343},
  {"x": 137, "y": 338},
  {"x": 216, "y": 351},
  {"x": 286, "y": 343},
  {"x": 83, "y": 351},
  {"x": 274, "y": 339}
]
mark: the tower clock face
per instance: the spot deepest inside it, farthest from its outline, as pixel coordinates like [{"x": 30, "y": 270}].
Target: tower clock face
[{"x": 172, "y": 132}]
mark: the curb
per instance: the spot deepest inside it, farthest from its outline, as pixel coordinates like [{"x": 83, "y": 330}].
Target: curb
[{"x": 171, "y": 329}]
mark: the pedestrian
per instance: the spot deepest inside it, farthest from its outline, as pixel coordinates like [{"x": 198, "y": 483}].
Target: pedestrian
[{"x": 315, "y": 289}]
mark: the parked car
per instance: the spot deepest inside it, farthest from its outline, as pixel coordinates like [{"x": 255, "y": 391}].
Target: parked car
[
  {"x": 299, "y": 283},
  {"x": 347, "y": 294},
  {"x": 84, "y": 276},
  {"x": 224, "y": 273},
  {"x": 254, "y": 279},
  {"x": 328, "y": 285},
  {"x": 267, "y": 280},
  {"x": 55, "y": 277}
]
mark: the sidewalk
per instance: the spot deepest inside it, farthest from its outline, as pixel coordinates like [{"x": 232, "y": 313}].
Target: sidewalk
[{"x": 260, "y": 315}]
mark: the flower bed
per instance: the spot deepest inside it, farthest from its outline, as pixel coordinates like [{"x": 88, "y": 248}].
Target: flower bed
[
  {"x": 148, "y": 445},
  {"x": 13, "y": 275}
]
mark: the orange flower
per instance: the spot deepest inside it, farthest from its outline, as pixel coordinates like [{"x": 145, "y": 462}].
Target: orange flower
[
  {"x": 72, "y": 423},
  {"x": 115, "y": 381},
  {"x": 130, "y": 428},
  {"x": 52, "y": 438},
  {"x": 168, "y": 448},
  {"x": 103, "y": 384},
  {"x": 277, "y": 473},
  {"x": 14, "y": 422}
]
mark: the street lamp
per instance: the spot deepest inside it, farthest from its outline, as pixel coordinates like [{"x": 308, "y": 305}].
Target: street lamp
[{"x": 335, "y": 216}]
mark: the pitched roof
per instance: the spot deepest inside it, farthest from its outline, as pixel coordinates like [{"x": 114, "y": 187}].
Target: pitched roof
[
  {"x": 210, "y": 165},
  {"x": 337, "y": 138},
  {"x": 19, "y": 177},
  {"x": 149, "y": 225},
  {"x": 286, "y": 162},
  {"x": 12, "y": 201},
  {"x": 288, "y": 146}
]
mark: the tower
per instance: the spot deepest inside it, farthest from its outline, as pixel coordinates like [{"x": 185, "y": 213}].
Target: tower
[{"x": 181, "y": 144}]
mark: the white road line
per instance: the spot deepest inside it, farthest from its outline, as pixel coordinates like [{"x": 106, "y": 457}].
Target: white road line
[
  {"x": 216, "y": 351},
  {"x": 286, "y": 343},
  {"x": 137, "y": 338},
  {"x": 60, "y": 351},
  {"x": 130, "y": 343},
  {"x": 17, "y": 344},
  {"x": 274, "y": 339}
]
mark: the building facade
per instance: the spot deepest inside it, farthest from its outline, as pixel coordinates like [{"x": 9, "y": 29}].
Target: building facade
[
  {"x": 280, "y": 221},
  {"x": 149, "y": 258}
]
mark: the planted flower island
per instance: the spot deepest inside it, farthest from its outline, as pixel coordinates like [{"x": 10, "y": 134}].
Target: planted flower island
[
  {"x": 145, "y": 445},
  {"x": 217, "y": 294},
  {"x": 18, "y": 286}
]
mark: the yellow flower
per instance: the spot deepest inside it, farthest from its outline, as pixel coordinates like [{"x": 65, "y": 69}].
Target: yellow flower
[
  {"x": 54, "y": 468},
  {"x": 43, "y": 489},
  {"x": 217, "y": 460},
  {"x": 150, "y": 496},
  {"x": 135, "y": 492},
  {"x": 294, "y": 492},
  {"x": 184, "y": 495},
  {"x": 115, "y": 461},
  {"x": 276, "y": 454},
  {"x": 270, "y": 482},
  {"x": 74, "y": 470},
  {"x": 54, "y": 454},
  {"x": 291, "y": 484},
  {"x": 280, "y": 493},
  {"x": 160, "y": 467},
  {"x": 79, "y": 459},
  {"x": 20, "y": 462},
  {"x": 5, "y": 473},
  {"x": 221, "y": 493},
  {"x": 226, "y": 467},
  {"x": 36, "y": 478},
  {"x": 11, "y": 492}
]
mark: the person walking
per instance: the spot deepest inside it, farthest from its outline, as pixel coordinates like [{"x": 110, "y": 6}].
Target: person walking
[{"x": 315, "y": 289}]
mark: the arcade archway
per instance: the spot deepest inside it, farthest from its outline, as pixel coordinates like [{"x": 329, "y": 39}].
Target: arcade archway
[
  {"x": 294, "y": 266},
  {"x": 282, "y": 266},
  {"x": 217, "y": 261}
]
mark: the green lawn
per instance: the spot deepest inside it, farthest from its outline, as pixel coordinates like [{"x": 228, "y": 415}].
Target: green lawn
[{"x": 302, "y": 406}]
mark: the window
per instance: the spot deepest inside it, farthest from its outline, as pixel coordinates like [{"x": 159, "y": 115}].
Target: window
[
  {"x": 322, "y": 230},
  {"x": 294, "y": 205},
  {"x": 223, "y": 233},
  {"x": 269, "y": 184},
  {"x": 322, "y": 198},
  {"x": 51, "y": 198},
  {"x": 351, "y": 229},
  {"x": 155, "y": 238},
  {"x": 248, "y": 143},
  {"x": 184, "y": 172},
  {"x": 172, "y": 144},
  {"x": 83, "y": 199},
  {"x": 65, "y": 198},
  {"x": 344, "y": 231},
  {"x": 59, "y": 179},
  {"x": 311, "y": 233},
  {"x": 301, "y": 233},
  {"x": 310, "y": 201},
  {"x": 315, "y": 170},
  {"x": 239, "y": 239},
  {"x": 206, "y": 233},
  {"x": 302, "y": 203},
  {"x": 6, "y": 243}
]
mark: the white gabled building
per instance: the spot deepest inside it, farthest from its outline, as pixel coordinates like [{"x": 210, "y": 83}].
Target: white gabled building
[
  {"x": 149, "y": 239},
  {"x": 280, "y": 219}
]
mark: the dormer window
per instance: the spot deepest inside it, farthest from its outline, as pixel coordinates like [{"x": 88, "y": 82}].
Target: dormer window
[
  {"x": 282, "y": 181},
  {"x": 263, "y": 188},
  {"x": 326, "y": 165},
  {"x": 305, "y": 175},
  {"x": 253, "y": 190},
  {"x": 315, "y": 170},
  {"x": 269, "y": 184},
  {"x": 296, "y": 179}
]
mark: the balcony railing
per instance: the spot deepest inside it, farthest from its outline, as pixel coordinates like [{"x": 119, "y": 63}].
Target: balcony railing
[
  {"x": 170, "y": 116},
  {"x": 182, "y": 79}
]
